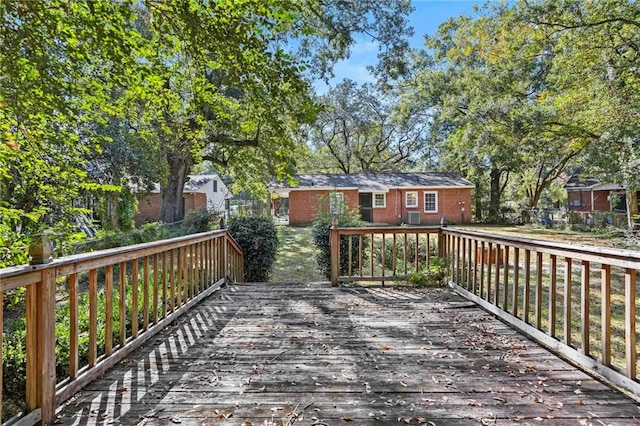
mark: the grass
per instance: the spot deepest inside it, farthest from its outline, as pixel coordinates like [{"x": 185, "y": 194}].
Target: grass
[
  {"x": 560, "y": 235},
  {"x": 295, "y": 261}
]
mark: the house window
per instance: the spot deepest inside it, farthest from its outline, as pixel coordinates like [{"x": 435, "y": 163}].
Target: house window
[
  {"x": 336, "y": 203},
  {"x": 411, "y": 199},
  {"x": 431, "y": 202},
  {"x": 379, "y": 200},
  {"x": 215, "y": 185}
]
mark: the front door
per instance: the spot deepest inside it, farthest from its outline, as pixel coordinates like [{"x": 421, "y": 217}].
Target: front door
[{"x": 366, "y": 206}]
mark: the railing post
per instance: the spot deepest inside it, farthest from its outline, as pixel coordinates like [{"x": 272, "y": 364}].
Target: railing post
[
  {"x": 41, "y": 356},
  {"x": 335, "y": 258},
  {"x": 441, "y": 243},
  {"x": 225, "y": 257}
]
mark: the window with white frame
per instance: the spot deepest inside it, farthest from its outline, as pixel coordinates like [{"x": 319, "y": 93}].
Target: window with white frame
[
  {"x": 431, "y": 202},
  {"x": 380, "y": 200},
  {"x": 411, "y": 199}
]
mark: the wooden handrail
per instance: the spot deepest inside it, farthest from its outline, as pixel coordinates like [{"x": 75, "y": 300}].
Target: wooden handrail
[
  {"x": 535, "y": 294},
  {"x": 164, "y": 278}
]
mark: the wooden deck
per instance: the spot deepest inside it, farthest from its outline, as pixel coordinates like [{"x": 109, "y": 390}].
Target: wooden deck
[{"x": 276, "y": 354}]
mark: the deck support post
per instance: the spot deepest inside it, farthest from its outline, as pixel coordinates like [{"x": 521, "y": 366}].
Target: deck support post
[{"x": 41, "y": 356}]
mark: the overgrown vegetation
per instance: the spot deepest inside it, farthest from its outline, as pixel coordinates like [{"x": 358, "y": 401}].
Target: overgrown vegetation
[
  {"x": 435, "y": 275},
  {"x": 258, "y": 238}
]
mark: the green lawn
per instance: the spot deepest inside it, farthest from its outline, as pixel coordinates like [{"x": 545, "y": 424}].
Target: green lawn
[
  {"x": 295, "y": 261},
  {"x": 568, "y": 236}
]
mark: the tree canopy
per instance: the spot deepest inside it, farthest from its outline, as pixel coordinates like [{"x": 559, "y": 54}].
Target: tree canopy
[
  {"x": 165, "y": 84},
  {"x": 522, "y": 91}
]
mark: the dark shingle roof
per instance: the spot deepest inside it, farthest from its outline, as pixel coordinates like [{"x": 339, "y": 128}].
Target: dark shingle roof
[
  {"x": 575, "y": 182},
  {"x": 376, "y": 181}
]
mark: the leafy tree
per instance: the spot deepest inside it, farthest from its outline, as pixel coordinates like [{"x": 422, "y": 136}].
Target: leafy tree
[
  {"x": 186, "y": 81},
  {"x": 360, "y": 131},
  {"x": 597, "y": 55}
]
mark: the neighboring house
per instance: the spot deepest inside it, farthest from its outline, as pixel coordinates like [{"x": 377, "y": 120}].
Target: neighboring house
[
  {"x": 589, "y": 195},
  {"x": 382, "y": 198},
  {"x": 200, "y": 192}
]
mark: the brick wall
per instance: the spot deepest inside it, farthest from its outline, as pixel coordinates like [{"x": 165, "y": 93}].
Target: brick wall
[
  {"x": 149, "y": 206},
  {"x": 303, "y": 206}
]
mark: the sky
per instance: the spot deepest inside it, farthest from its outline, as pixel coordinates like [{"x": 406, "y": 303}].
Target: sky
[{"x": 425, "y": 19}]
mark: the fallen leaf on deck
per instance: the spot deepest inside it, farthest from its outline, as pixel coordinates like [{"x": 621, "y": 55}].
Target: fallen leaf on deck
[
  {"x": 347, "y": 419},
  {"x": 385, "y": 347}
]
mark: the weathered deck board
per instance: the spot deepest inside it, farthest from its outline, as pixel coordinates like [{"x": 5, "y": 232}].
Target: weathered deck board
[{"x": 274, "y": 353}]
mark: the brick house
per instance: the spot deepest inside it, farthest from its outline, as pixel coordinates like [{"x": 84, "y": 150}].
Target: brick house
[
  {"x": 200, "y": 192},
  {"x": 590, "y": 195},
  {"x": 381, "y": 198}
]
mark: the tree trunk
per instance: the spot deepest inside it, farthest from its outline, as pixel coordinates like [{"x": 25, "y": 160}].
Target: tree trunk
[
  {"x": 477, "y": 200},
  {"x": 171, "y": 209},
  {"x": 632, "y": 207},
  {"x": 494, "y": 200}
]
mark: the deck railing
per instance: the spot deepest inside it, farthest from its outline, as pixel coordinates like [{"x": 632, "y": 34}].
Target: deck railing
[
  {"x": 381, "y": 253},
  {"x": 130, "y": 294},
  {"x": 580, "y": 301}
]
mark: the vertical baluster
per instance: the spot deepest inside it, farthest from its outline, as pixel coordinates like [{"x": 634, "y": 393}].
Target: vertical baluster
[
  {"x": 123, "y": 303},
  {"x": 384, "y": 255},
  {"x": 73, "y": 326},
  {"x": 568, "y": 304},
  {"x": 180, "y": 277},
  {"x": 505, "y": 279},
  {"x": 483, "y": 260},
  {"x": 630, "y": 322},
  {"x": 516, "y": 279},
  {"x": 173, "y": 254},
  {"x": 526, "y": 299},
  {"x": 405, "y": 254},
  {"x": 394, "y": 255},
  {"x": 417, "y": 253},
  {"x": 145, "y": 293},
  {"x": 108, "y": 293},
  {"x": 457, "y": 259},
  {"x": 93, "y": 316},
  {"x": 470, "y": 266},
  {"x": 156, "y": 289},
  {"x": 196, "y": 269},
  {"x": 371, "y": 255},
  {"x": 490, "y": 253},
  {"x": 164, "y": 283},
  {"x": 134, "y": 296},
  {"x": 350, "y": 255},
  {"x": 538, "y": 295},
  {"x": 463, "y": 260},
  {"x": 360, "y": 254},
  {"x": 605, "y": 317},
  {"x": 553, "y": 264},
  {"x": 584, "y": 306},
  {"x": 497, "y": 276},
  {"x": 475, "y": 267},
  {"x": 428, "y": 253}
]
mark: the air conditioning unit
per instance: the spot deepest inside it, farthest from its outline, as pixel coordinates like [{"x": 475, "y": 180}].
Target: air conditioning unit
[{"x": 413, "y": 218}]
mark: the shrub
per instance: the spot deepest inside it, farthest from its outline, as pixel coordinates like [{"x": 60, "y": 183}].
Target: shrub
[
  {"x": 434, "y": 275},
  {"x": 321, "y": 232},
  {"x": 258, "y": 238}
]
